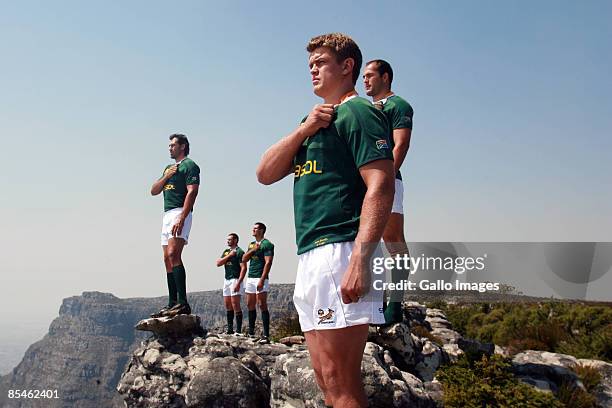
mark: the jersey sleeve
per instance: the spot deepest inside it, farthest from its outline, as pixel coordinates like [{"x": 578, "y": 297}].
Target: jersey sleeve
[
  {"x": 402, "y": 116},
  {"x": 367, "y": 135},
  {"x": 192, "y": 175},
  {"x": 269, "y": 249},
  {"x": 239, "y": 255}
]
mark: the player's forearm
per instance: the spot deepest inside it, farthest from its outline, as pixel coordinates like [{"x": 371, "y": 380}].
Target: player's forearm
[
  {"x": 189, "y": 202},
  {"x": 243, "y": 270},
  {"x": 401, "y": 142},
  {"x": 277, "y": 161},
  {"x": 266, "y": 270},
  {"x": 223, "y": 261},
  {"x": 158, "y": 186},
  {"x": 375, "y": 212},
  {"x": 399, "y": 154}
]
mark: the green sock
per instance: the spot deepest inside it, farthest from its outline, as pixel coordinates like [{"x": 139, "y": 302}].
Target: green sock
[
  {"x": 265, "y": 319},
  {"x": 230, "y": 321},
  {"x": 393, "y": 312},
  {"x": 252, "y": 318},
  {"x": 179, "y": 279},
  {"x": 239, "y": 322},
  {"x": 171, "y": 289}
]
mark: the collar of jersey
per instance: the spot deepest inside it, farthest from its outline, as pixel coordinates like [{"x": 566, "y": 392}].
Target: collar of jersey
[
  {"x": 348, "y": 96},
  {"x": 384, "y": 100}
]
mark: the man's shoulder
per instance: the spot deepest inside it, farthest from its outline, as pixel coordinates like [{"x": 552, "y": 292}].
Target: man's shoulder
[
  {"x": 397, "y": 102},
  {"x": 189, "y": 163},
  {"x": 355, "y": 106},
  {"x": 357, "y": 112}
]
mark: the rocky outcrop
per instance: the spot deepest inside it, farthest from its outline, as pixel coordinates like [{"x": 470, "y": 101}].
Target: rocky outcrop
[
  {"x": 398, "y": 367},
  {"x": 219, "y": 370},
  {"x": 88, "y": 345},
  {"x": 93, "y": 341}
]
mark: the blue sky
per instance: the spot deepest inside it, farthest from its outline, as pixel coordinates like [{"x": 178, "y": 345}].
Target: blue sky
[{"x": 511, "y": 141}]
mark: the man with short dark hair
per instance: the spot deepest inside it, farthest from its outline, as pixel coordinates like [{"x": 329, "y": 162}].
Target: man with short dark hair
[
  {"x": 260, "y": 255},
  {"x": 235, "y": 269},
  {"x": 377, "y": 79},
  {"x": 180, "y": 183},
  {"x": 343, "y": 190}
]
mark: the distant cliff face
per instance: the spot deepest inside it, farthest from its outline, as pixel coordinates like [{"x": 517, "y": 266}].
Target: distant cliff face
[{"x": 88, "y": 345}]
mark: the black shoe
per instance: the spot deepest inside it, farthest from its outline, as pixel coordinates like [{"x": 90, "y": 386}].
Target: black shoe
[
  {"x": 178, "y": 309},
  {"x": 264, "y": 340},
  {"x": 162, "y": 311},
  {"x": 230, "y": 332}
]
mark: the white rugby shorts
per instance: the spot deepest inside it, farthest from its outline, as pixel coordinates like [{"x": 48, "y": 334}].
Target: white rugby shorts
[
  {"x": 317, "y": 296},
  {"x": 169, "y": 220},
  {"x": 398, "y": 198},
  {"x": 251, "y": 285},
  {"x": 228, "y": 287}
]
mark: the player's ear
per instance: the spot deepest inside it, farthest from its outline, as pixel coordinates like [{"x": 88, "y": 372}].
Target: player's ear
[{"x": 347, "y": 66}]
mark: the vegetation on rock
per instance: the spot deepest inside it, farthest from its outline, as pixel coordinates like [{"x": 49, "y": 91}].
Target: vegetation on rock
[{"x": 581, "y": 330}]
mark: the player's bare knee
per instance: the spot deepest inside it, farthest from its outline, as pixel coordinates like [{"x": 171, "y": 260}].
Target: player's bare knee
[{"x": 331, "y": 374}]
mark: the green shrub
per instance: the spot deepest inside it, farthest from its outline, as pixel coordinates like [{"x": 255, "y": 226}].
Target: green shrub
[
  {"x": 575, "y": 397},
  {"x": 582, "y": 330},
  {"x": 589, "y": 376},
  {"x": 489, "y": 383}
]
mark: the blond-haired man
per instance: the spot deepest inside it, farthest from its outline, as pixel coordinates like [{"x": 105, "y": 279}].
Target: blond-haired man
[{"x": 343, "y": 189}]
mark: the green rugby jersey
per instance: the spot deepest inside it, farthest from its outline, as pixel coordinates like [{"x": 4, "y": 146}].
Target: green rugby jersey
[
  {"x": 232, "y": 266},
  {"x": 257, "y": 261},
  {"x": 175, "y": 189},
  {"x": 328, "y": 190},
  {"x": 399, "y": 113}
]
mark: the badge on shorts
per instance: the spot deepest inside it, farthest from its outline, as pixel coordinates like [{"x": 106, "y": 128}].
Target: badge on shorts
[{"x": 326, "y": 318}]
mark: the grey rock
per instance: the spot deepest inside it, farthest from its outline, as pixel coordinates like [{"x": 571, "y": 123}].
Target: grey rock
[
  {"x": 398, "y": 339},
  {"x": 430, "y": 360},
  {"x": 435, "y": 391},
  {"x": 447, "y": 336},
  {"x": 419, "y": 396},
  {"x": 470, "y": 346},
  {"x": 377, "y": 382},
  {"x": 538, "y": 367},
  {"x": 435, "y": 313},
  {"x": 502, "y": 351},
  {"x": 293, "y": 382},
  {"x": 291, "y": 340},
  {"x": 438, "y": 322},
  {"x": 226, "y": 382},
  {"x": 181, "y": 325},
  {"x": 452, "y": 351},
  {"x": 415, "y": 311}
]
